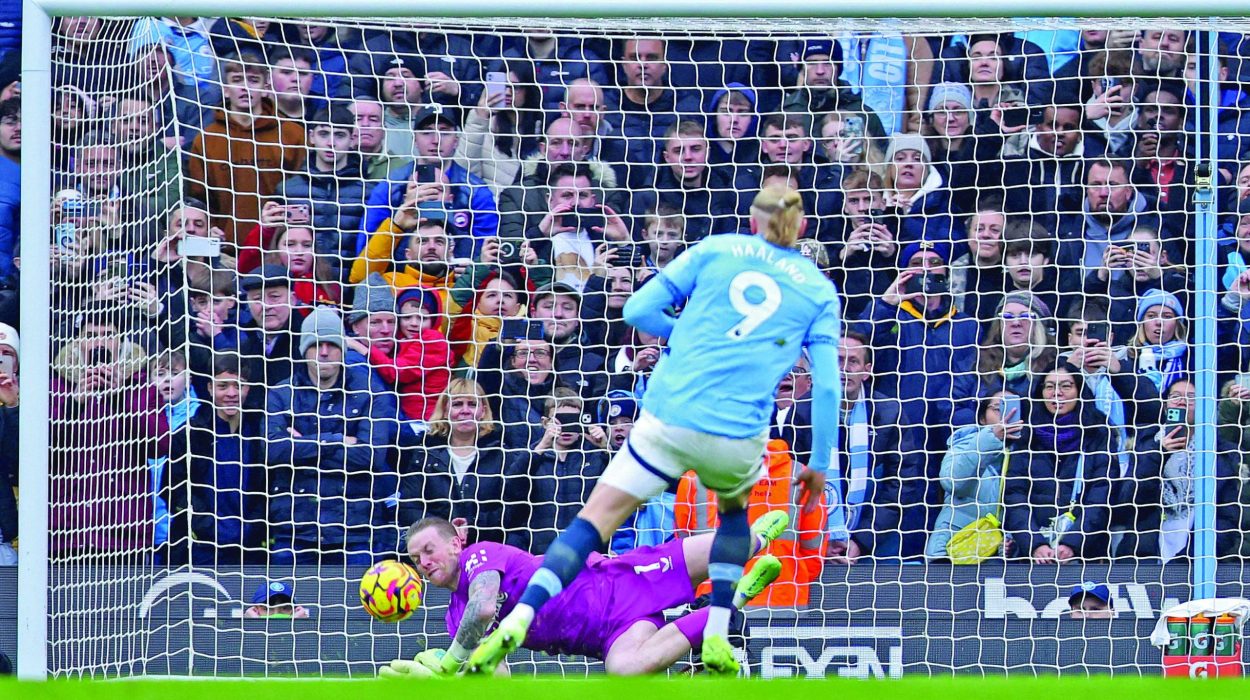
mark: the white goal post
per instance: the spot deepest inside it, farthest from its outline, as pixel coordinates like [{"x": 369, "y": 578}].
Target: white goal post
[{"x": 633, "y": 15}]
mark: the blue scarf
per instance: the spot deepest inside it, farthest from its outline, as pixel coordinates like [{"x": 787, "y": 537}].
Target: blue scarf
[
  {"x": 1236, "y": 266},
  {"x": 1062, "y": 436},
  {"x": 1163, "y": 364},
  {"x": 1109, "y": 402},
  {"x": 844, "y": 514}
]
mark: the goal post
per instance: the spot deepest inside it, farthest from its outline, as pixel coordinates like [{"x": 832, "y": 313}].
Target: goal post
[{"x": 786, "y": 18}]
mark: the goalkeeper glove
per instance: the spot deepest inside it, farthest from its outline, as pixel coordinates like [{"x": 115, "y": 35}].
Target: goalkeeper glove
[{"x": 431, "y": 663}]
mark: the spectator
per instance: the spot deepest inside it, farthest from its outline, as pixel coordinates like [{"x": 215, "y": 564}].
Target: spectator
[
  {"x": 400, "y": 89},
  {"x": 487, "y": 298},
  {"x": 96, "y": 380},
  {"x": 1162, "y": 488},
  {"x": 1112, "y": 208},
  {"x": 370, "y": 139},
  {"x": 655, "y": 521},
  {"x": 866, "y": 250},
  {"x": 1129, "y": 400},
  {"x": 994, "y": 74},
  {"x": 1027, "y": 258},
  {"x": 151, "y": 178},
  {"x": 339, "y": 65},
  {"x": 1057, "y": 492},
  {"x": 546, "y": 487},
  {"x": 502, "y": 131},
  {"x": 892, "y": 72},
  {"x": 925, "y": 352},
  {"x": 664, "y": 235},
  {"x": 434, "y": 177},
  {"x": 292, "y": 77},
  {"x": 418, "y": 365},
  {"x": 732, "y": 130},
  {"x": 449, "y": 62},
  {"x": 972, "y": 473},
  {"x": 577, "y": 362},
  {"x": 1130, "y": 269},
  {"x": 818, "y": 88},
  {"x": 311, "y": 279},
  {"x": 276, "y": 601},
  {"x": 181, "y": 110},
  {"x": 646, "y": 107},
  {"x": 631, "y": 364},
  {"x": 964, "y": 158},
  {"x": 242, "y": 155},
  {"x": 208, "y": 325},
  {"x": 915, "y": 192},
  {"x": 701, "y": 193},
  {"x": 180, "y": 403},
  {"x": 1160, "y": 348},
  {"x": 1090, "y": 601},
  {"x": 879, "y": 470},
  {"x": 558, "y": 60},
  {"x": 1109, "y": 105},
  {"x": 425, "y": 252},
  {"x": 371, "y": 322},
  {"x": 1233, "y": 415},
  {"x": 330, "y": 428},
  {"x": 190, "y": 46},
  {"x": 10, "y": 345},
  {"x": 524, "y": 204},
  {"x": 332, "y": 186},
  {"x": 1160, "y": 53},
  {"x": 574, "y": 225},
  {"x": 522, "y": 388},
  {"x": 978, "y": 278},
  {"x": 1043, "y": 168},
  {"x": 1019, "y": 347},
  {"x": 1232, "y": 125},
  {"x": 215, "y": 481},
  {"x": 458, "y": 469},
  {"x": 584, "y": 103},
  {"x": 10, "y": 181},
  {"x": 268, "y": 338}
]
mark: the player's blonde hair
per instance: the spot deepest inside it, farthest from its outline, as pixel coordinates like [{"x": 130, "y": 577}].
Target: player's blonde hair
[{"x": 778, "y": 212}]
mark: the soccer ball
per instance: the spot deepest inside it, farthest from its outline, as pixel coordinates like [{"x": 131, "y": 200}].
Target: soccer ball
[{"x": 390, "y": 591}]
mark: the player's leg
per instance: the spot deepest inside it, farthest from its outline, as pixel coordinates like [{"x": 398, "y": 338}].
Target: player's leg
[
  {"x": 731, "y": 548},
  {"x": 627, "y": 483},
  {"x": 697, "y": 549},
  {"x": 644, "y": 648}
]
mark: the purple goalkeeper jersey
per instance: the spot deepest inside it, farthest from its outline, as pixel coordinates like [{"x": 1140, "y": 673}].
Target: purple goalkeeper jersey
[{"x": 602, "y": 603}]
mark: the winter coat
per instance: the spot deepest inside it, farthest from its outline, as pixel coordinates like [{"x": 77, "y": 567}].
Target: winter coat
[
  {"x": 971, "y": 477},
  {"x": 429, "y": 486},
  {"x": 231, "y": 167},
  {"x": 215, "y": 487},
  {"x": 544, "y": 493},
  {"x": 325, "y": 494}
]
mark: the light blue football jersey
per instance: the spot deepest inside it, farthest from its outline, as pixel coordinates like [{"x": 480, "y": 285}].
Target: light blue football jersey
[{"x": 750, "y": 308}]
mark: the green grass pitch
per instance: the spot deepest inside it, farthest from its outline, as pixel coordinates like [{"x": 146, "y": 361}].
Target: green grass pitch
[{"x": 964, "y": 688}]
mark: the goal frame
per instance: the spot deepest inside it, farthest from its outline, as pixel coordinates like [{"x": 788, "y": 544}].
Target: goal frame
[{"x": 36, "y": 187}]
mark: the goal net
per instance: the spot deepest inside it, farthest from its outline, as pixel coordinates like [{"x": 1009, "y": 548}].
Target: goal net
[{"x": 315, "y": 280}]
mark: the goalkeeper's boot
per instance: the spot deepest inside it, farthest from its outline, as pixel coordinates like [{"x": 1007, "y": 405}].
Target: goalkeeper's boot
[
  {"x": 770, "y": 526},
  {"x": 766, "y": 570},
  {"x": 718, "y": 656},
  {"x": 509, "y": 635}
]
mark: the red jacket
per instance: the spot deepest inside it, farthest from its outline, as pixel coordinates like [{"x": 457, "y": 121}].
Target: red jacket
[{"x": 420, "y": 371}]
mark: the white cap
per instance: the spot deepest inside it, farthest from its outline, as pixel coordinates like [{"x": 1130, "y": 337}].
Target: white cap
[{"x": 8, "y": 336}]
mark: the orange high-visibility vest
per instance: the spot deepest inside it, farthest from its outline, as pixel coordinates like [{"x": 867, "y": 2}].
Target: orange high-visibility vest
[{"x": 800, "y": 549}]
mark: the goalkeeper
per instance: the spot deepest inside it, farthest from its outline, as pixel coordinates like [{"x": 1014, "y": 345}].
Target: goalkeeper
[{"x": 613, "y": 610}]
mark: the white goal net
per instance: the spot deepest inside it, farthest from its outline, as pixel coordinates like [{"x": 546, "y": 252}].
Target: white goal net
[{"x": 314, "y": 280}]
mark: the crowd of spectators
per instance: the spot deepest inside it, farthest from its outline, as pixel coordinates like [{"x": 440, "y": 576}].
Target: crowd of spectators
[{"x": 313, "y": 282}]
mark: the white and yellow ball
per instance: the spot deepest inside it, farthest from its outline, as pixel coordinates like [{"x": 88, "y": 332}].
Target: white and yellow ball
[{"x": 390, "y": 591}]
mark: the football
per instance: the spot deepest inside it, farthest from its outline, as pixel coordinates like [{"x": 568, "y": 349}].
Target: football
[{"x": 390, "y": 591}]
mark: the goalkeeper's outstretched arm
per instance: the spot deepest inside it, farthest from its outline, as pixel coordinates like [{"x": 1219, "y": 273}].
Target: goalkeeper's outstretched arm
[{"x": 479, "y": 614}]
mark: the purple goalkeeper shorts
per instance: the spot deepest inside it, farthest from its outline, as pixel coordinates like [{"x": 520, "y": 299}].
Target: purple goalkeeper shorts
[{"x": 643, "y": 583}]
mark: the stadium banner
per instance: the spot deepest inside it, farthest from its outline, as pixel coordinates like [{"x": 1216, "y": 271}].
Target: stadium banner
[{"x": 871, "y": 621}]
